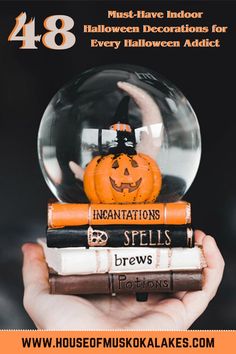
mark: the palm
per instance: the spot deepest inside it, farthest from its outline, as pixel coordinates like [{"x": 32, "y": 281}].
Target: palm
[{"x": 123, "y": 311}]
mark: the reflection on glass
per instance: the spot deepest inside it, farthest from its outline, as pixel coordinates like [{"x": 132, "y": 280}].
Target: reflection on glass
[{"x": 79, "y": 124}]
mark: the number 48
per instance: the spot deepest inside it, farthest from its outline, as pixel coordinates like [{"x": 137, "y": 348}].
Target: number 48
[{"x": 29, "y": 38}]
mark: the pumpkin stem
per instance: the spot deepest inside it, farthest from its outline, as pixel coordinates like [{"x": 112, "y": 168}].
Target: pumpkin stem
[{"x": 125, "y": 138}]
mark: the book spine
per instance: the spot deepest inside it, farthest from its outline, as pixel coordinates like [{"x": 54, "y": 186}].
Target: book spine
[
  {"x": 117, "y": 236},
  {"x": 61, "y": 215},
  {"x": 126, "y": 283},
  {"x": 67, "y": 261}
]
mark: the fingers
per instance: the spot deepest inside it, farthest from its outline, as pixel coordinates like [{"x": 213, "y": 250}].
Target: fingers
[
  {"x": 212, "y": 253},
  {"x": 35, "y": 272},
  {"x": 151, "y": 116},
  {"x": 150, "y": 111},
  {"x": 196, "y": 302},
  {"x": 77, "y": 170},
  {"x": 35, "y": 277},
  {"x": 199, "y": 236},
  {"x": 215, "y": 266}
]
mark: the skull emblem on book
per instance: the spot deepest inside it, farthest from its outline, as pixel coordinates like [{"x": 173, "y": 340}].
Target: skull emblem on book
[{"x": 97, "y": 237}]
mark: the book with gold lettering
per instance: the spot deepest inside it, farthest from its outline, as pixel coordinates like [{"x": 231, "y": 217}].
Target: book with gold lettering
[
  {"x": 121, "y": 236},
  {"x": 79, "y": 260},
  {"x": 117, "y": 283},
  {"x": 69, "y": 214}
]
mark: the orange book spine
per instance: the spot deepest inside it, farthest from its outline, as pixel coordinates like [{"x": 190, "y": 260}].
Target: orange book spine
[{"x": 61, "y": 215}]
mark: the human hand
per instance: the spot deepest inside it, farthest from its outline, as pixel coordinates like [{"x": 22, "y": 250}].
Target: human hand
[
  {"x": 174, "y": 311},
  {"x": 151, "y": 120}
]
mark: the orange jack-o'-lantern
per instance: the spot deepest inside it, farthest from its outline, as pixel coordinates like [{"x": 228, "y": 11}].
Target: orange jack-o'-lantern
[
  {"x": 122, "y": 179},
  {"x": 123, "y": 175}
]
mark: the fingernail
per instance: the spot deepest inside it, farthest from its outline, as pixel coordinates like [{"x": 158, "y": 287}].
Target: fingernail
[
  {"x": 25, "y": 247},
  {"x": 209, "y": 243},
  {"x": 211, "y": 238}
]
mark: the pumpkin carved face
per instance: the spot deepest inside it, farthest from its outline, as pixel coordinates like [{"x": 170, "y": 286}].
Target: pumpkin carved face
[{"x": 122, "y": 178}]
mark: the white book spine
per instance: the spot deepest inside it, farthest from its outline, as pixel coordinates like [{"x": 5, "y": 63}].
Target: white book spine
[{"x": 66, "y": 261}]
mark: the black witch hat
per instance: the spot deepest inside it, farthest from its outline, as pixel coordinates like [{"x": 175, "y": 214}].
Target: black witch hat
[{"x": 125, "y": 138}]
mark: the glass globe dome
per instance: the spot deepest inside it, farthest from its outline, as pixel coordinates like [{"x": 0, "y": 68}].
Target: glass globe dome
[{"x": 112, "y": 110}]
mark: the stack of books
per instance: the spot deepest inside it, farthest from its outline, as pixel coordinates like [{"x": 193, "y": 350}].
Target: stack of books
[{"x": 122, "y": 248}]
